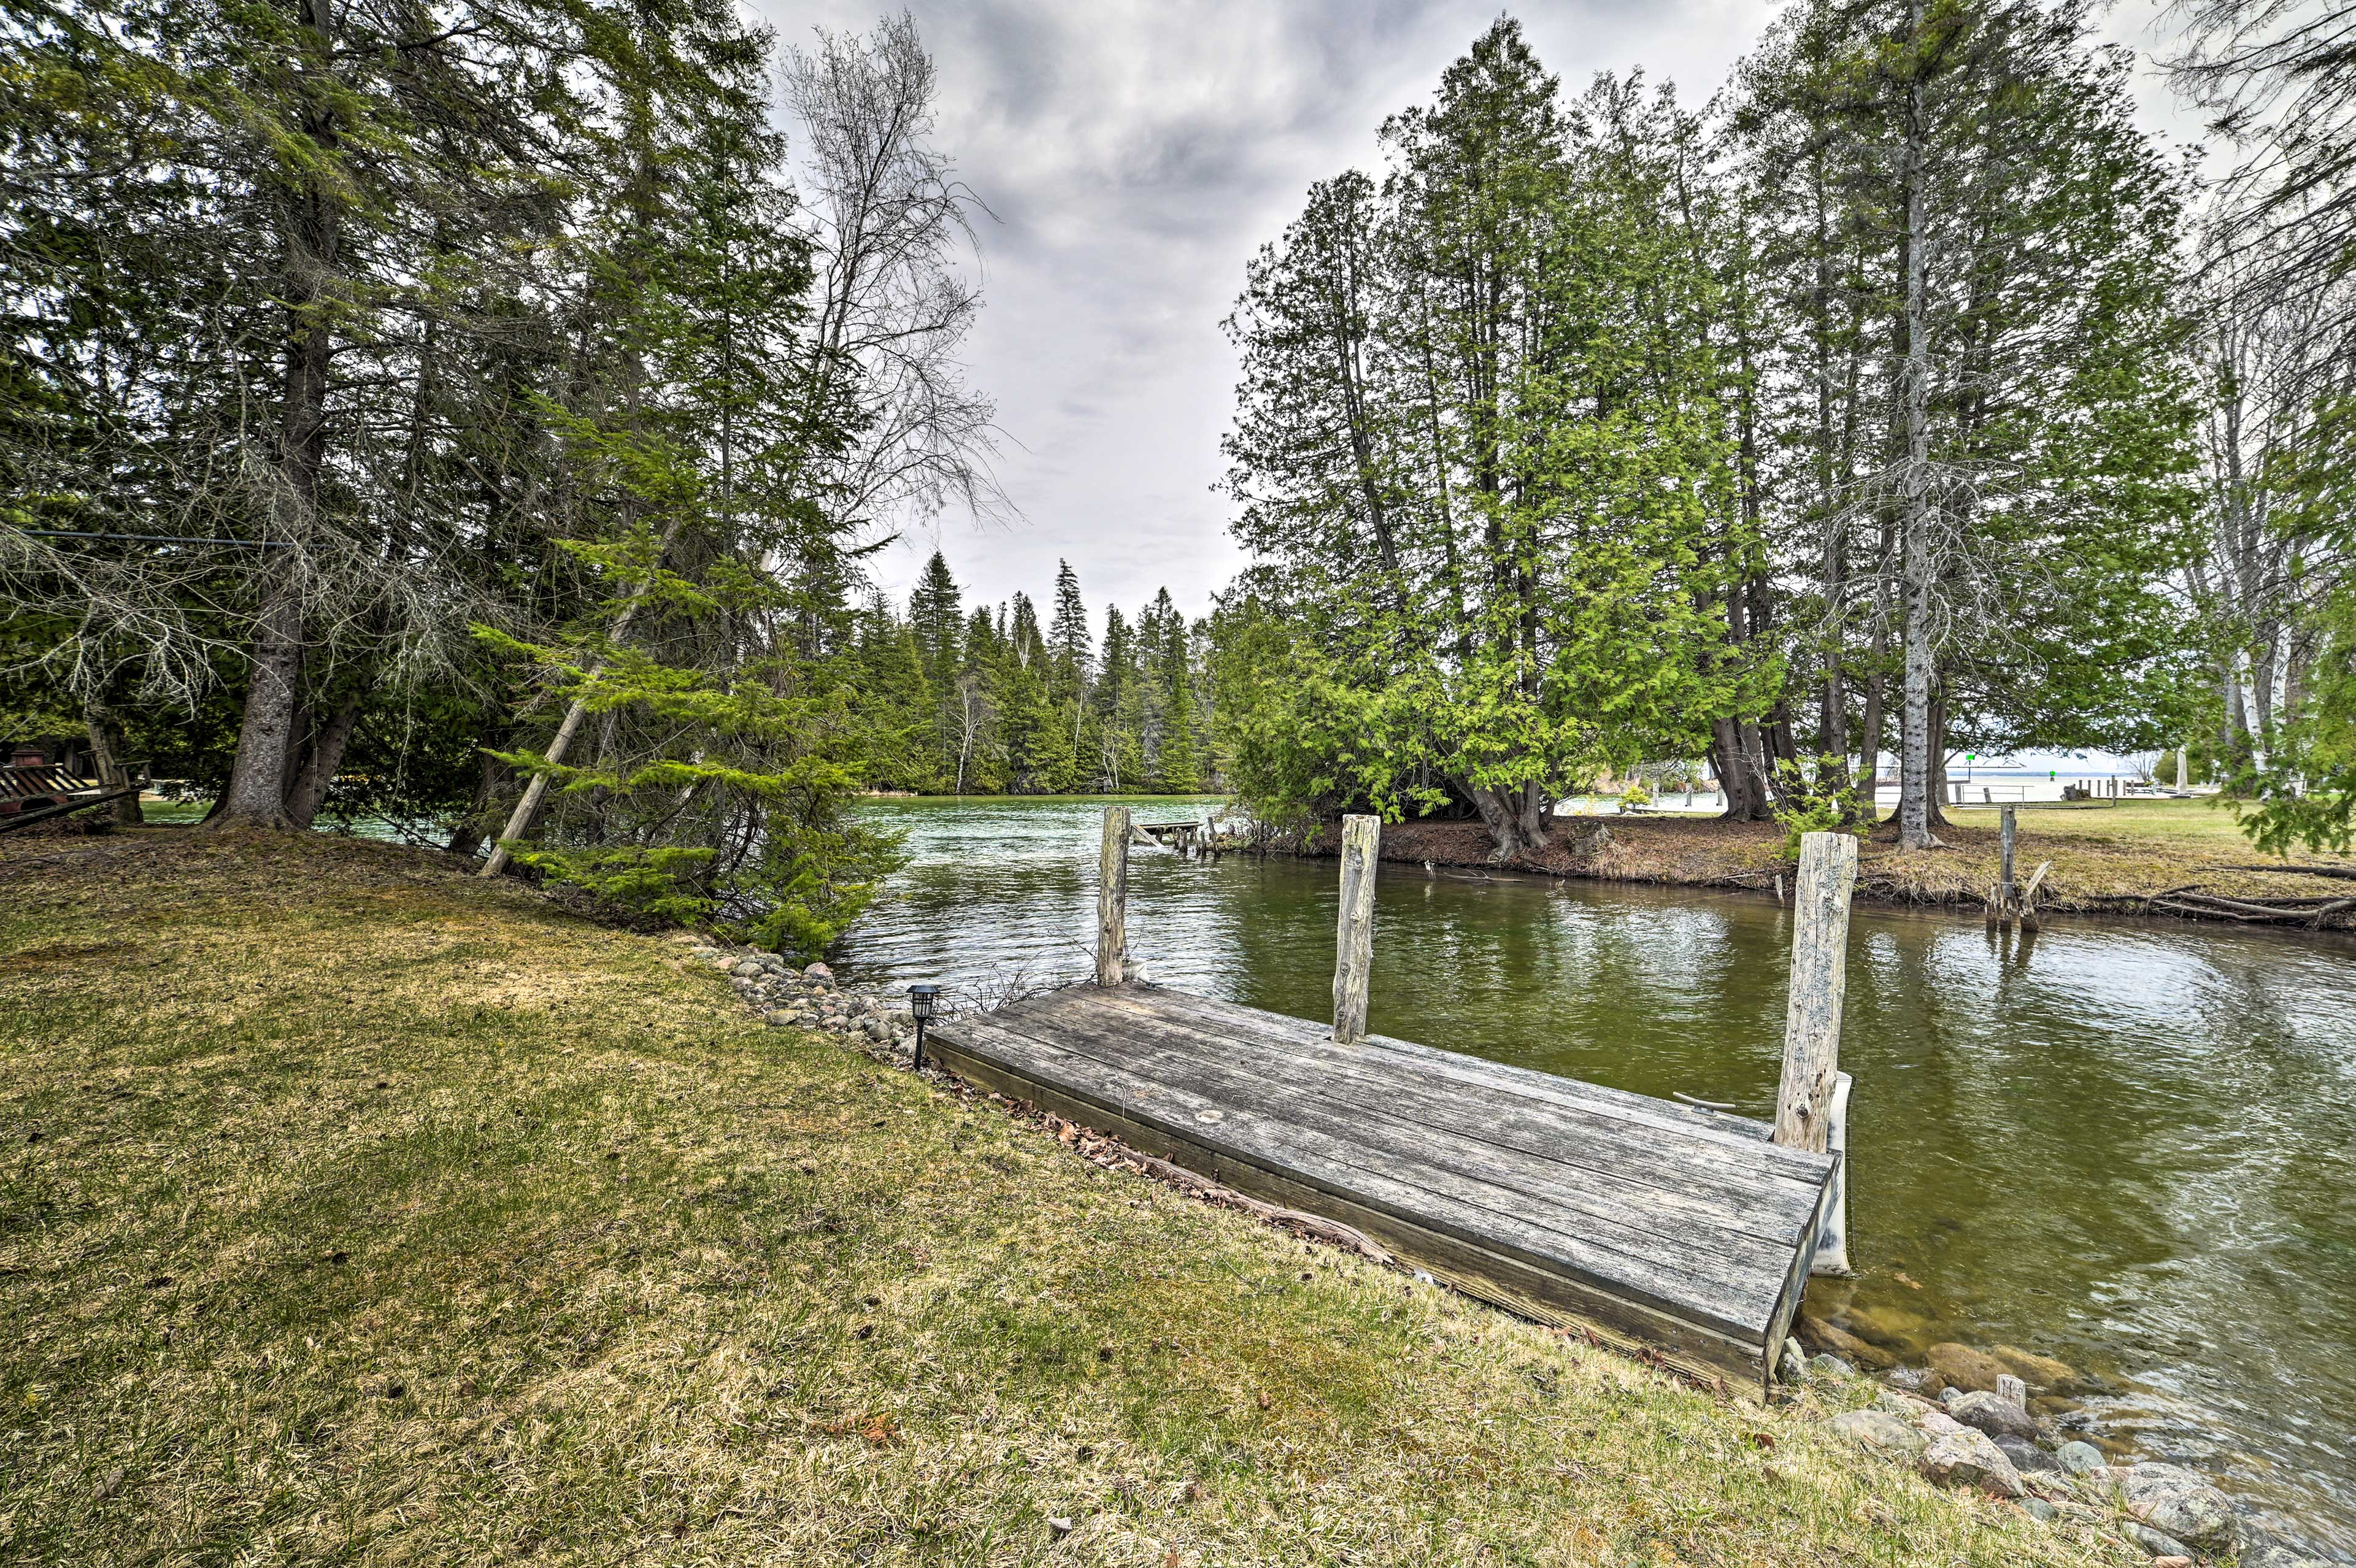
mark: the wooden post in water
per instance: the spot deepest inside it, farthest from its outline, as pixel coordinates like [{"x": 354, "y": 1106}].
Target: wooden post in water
[
  {"x": 1353, "y": 956},
  {"x": 1832, "y": 1240},
  {"x": 1112, "y": 898},
  {"x": 2005, "y": 899},
  {"x": 1812, "y": 1021}
]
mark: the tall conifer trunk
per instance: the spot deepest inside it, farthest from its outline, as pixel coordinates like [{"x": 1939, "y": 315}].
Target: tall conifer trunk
[
  {"x": 1914, "y": 782},
  {"x": 256, "y": 797}
]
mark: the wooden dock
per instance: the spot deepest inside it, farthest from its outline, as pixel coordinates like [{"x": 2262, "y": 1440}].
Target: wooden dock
[
  {"x": 1671, "y": 1230},
  {"x": 1663, "y": 1227}
]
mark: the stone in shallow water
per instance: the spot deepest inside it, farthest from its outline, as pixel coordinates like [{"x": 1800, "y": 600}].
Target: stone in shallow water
[
  {"x": 1974, "y": 1371},
  {"x": 1993, "y": 1414},
  {"x": 2041, "y": 1373},
  {"x": 1829, "y": 1366},
  {"x": 2078, "y": 1457},
  {"x": 1833, "y": 1339},
  {"x": 2260, "y": 1550},
  {"x": 1891, "y": 1326}
]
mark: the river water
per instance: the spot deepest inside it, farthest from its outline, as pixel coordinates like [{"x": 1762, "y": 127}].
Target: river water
[{"x": 2129, "y": 1147}]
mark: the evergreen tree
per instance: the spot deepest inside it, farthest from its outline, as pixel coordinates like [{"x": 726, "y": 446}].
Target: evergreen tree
[
  {"x": 936, "y": 620},
  {"x": 1067, "y": 637},
  {"x": 978, "y": 734},
  {"x": 1477, "y": 457}
]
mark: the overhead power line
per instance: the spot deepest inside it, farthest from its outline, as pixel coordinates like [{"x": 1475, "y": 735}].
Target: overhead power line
[{"x": 157, "y": 539}]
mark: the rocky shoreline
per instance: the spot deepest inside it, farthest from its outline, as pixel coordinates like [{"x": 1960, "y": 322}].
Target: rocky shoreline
[
  {"x": 1967, "y": 1420},
  {"x": 811, "y": 998}
]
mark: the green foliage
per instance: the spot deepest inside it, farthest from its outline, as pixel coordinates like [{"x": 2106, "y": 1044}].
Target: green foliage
[
  {"x": 1480, "y": 464},
  {"x": 659, "y": 882},
  {"x": 1815, "y": 798},
  {"x": 993, "y": 702},
  {"x": 731, "y": 806},
  {"x": 2303, "y": 795}
]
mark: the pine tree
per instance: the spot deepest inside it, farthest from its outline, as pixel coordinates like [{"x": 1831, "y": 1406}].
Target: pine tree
[
  {"x": 936, "y": 620},
  {"x": 1067, "y": 637},
  {"x": 978, "y": 732}
]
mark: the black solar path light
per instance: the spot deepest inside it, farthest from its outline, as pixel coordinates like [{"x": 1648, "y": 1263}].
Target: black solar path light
[{"x": 921, "y": 1002}]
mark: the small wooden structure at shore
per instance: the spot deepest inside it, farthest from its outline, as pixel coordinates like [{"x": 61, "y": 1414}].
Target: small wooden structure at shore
[
  {"x": 1673, "y": 1230},
  {"x": 40, "y": 791}
]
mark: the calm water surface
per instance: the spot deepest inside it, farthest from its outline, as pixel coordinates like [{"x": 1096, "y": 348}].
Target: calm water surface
[{"x": 2131, "y": 1147}]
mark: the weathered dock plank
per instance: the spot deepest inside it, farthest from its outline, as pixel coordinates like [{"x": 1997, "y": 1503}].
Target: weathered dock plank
[{"x": 1668, "y": 1229}]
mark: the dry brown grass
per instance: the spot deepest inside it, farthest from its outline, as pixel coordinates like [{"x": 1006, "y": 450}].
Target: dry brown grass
[{"x": 352, "y": 1210}]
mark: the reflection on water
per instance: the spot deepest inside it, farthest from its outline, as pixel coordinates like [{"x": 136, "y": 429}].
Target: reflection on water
[{"x": 2126, "y": 1147}]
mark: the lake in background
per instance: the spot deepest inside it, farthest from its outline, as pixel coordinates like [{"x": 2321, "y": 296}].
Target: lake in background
[{"x": 2126, "y": 1146}]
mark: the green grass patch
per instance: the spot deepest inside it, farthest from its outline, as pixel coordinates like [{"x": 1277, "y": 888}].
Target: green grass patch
[{"x": 354, "y": 1210}]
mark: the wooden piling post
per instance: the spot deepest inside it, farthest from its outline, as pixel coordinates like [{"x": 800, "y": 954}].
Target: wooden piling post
[
  {"x": 1354, "y": 958},
  {"x": 2007, "y": 901},
  {"x": 2028, "y": 920},
  {"x": 1832, "y": 1239},
  {"x": 1112, "y": 898},
  {"x": 1812, "y": 1021}
]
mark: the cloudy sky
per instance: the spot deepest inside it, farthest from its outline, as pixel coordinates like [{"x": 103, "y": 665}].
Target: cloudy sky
[{"x": 1134, "y": 156}]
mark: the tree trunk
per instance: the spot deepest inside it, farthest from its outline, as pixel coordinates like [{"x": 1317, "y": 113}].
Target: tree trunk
[
  {"x": 468, "y": 837},
  {"x": 256, "y": 797},
  {"x": 2233, "y": 739},
  {"x": 106, "y": 754},
  {"x": 1736, "y": 749},
  {"x": 1533, "y": 813},
  {"x": 309, "y": 791},
  {"x": 1738, "y": 777},
  {"x": 1515, "y": 819},
  {"x": 1914, "y": 782}
]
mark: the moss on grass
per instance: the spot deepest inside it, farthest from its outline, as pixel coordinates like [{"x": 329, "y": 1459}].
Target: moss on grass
[{"x": 354, "y": 1210}]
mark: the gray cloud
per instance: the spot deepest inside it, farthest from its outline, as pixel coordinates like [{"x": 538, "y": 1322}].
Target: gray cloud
[{"x": 1135, "y": 155}]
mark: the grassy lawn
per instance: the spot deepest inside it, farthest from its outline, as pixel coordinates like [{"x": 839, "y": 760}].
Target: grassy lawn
[
  {"x": 2202, "y": 823},
  {"x": 2101, "y": 854},
  {"x": 2128, "y": 846},
  {"x": 352, "y": 1209}
]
